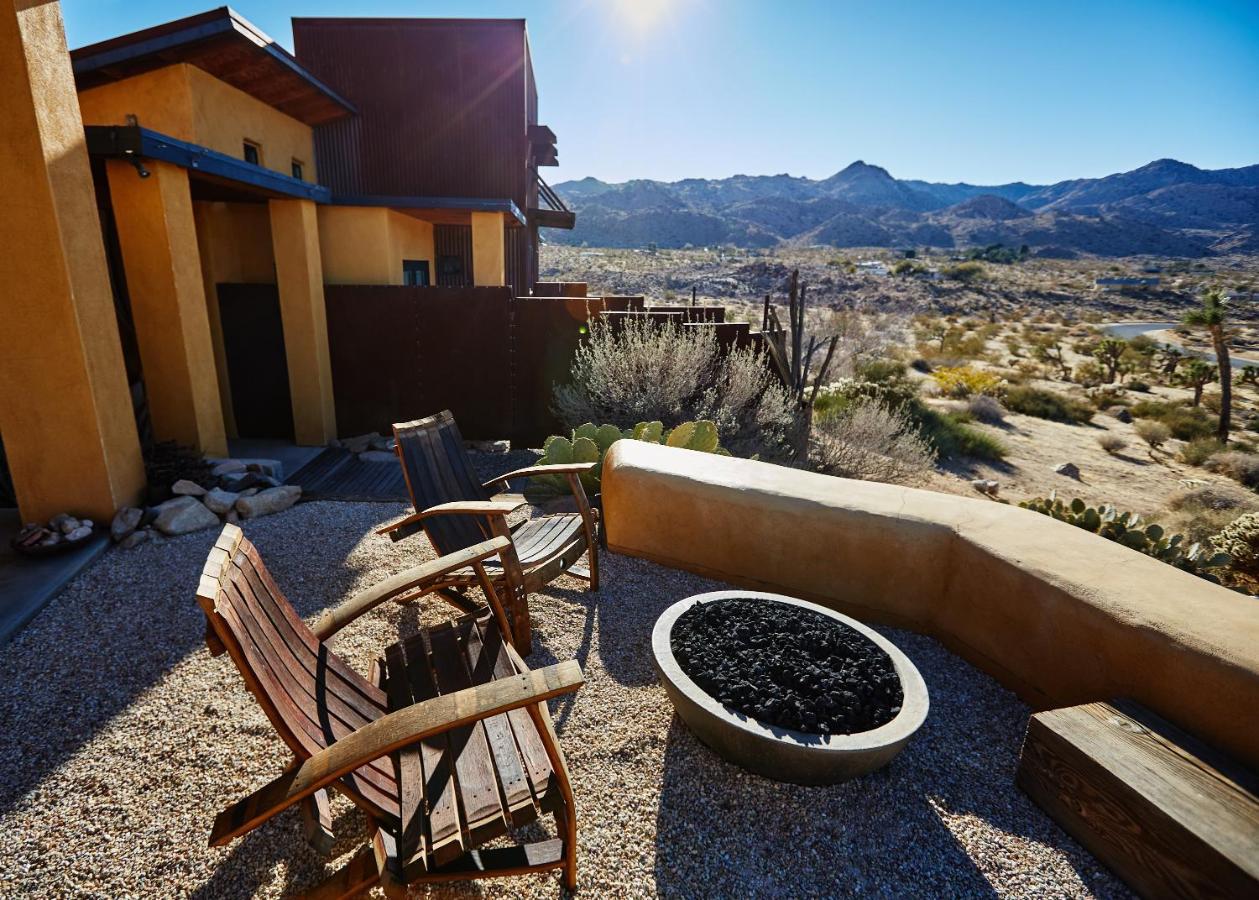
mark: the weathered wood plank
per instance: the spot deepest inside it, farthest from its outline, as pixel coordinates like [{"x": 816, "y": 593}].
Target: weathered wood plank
[{"x": 1169, "y": 815}]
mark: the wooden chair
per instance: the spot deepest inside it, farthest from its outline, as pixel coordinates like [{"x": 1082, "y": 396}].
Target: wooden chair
[
  {"x": 446, "y": 745},
  {"x": 456, "y": 511}
]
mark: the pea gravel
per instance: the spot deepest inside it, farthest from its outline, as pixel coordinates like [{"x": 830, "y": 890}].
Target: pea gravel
[{"x": 121, "y": 738}]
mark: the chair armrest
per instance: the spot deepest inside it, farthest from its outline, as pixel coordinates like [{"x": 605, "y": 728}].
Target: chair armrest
[
  {"x": 530, "y": 471},
  {"x": 389, "y": 733},
  {"x": 334, "y": 620},
  {"x": 461, "y": 507}
]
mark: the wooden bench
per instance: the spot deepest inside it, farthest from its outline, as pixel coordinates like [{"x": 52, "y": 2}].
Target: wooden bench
[{"x": 1167, "y": 813}]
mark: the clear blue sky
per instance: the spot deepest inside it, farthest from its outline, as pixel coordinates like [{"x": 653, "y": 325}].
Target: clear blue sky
[{"x": 960, "y": 91}]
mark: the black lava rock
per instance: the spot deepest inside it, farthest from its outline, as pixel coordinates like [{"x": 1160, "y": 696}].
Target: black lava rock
[{"x": 787, "y": 666}]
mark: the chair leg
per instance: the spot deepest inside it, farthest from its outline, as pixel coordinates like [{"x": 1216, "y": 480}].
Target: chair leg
[
  {"x": 566, "y": 825},
  {"x": 317, "y": 822},
  {"x": 353, "y": 879},
  {"x": 592, "y": 560}
]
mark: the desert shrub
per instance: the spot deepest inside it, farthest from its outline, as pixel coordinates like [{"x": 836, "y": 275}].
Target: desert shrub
[
  {"x": 1241, "y": 467},
  {"x": 880, "y": 371},
  {"x": 642, "y": 372},
  {"x": 965, "y": 272},
  {"x": 840, "y": 395},
  {"x": 987, "y": 409},
  {"x": 1240, "y": 540},
  {"x": 870, "y": 441},
  {"x": 1201, "y": 513},
  {"x": 1138, "y": 386},
  {"x": 1154, "y": 433},
  {"x": 1199, "y": 450},
  {"x": 1104, "y": 398},
  {"x": 920, "y": 365},
  {"x": 1111, "y": 443},
  {"x": 1043, "y": 404},
  {"x": 965, "y": 381},
  {"x": 1088, "y": 373},
  {"x": 951, "y": 436},
  {"x": 1185, "y": 422}
]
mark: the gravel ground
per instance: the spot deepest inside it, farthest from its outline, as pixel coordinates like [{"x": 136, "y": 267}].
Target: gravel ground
[{"x": 122, "y": 738}]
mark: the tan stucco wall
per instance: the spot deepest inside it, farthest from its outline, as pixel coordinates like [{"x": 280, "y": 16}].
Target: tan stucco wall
[
  {"x": 188, "y": 103},
  {"x": 489, "y": 251},
  {"x": 367, "y": 244},
  {"x": 1057, "y": 614},
  {"x": 65, "y": 410},
  {"x": 299, "y": 271}
]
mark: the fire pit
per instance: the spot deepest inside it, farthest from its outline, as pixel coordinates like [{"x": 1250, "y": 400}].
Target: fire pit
[{"x": 785, "y": 688}]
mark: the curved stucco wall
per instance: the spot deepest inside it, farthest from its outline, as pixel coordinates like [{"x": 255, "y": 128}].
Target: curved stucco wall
[{"x": 1056, "y": 614}]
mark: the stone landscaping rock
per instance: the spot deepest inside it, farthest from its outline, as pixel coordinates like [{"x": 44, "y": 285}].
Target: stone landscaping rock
[
  {"x": 249, "y": 492},
  {"x": 986, "y": 486},
  {"x": 149, "y": 517},
  {"x": 80, "y": 533},
  {"x": 490, "y": 446},
  {"x": 58, "y": 522},
  {"x": 67, "y": 524},
  {"x": 1070, "y": 470},
  {"x": 377, "y": 456},
  {"x": 183, "y": 515},
  {"x": 185, "y": 488},
  {"x": 272, "y": 500},
  {"x": 384, "y": 444},
  {"x": 361, "y": 442},
  {"x": 241, "y": 481},
  {"x": 135, "y": 539},
  {"x": 125, "y": 522},
  {"x": 227, "y": 467},
  {"x": 1121, "y": 413},
  {"x": 219, "y": 501},
  {"x": 232, "y": 517}
]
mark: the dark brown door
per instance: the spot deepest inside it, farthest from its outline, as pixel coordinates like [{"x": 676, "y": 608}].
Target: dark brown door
[{"x": 253, "y": 338}]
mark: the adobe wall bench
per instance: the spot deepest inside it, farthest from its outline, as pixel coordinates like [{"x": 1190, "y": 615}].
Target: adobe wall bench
[{"x": 1054, "y": 613}]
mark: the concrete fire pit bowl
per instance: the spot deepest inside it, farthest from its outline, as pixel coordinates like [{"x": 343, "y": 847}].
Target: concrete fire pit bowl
[{"x": 780, "y": 753}]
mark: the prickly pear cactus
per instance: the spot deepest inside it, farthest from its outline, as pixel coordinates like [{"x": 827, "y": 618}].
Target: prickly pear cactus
[
  {"x": 589, "y": 443},
  {"x": 1126, "y": 528}
]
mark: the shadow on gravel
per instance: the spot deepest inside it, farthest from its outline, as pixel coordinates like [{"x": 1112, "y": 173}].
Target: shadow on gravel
[
  {"x": 723, "y": 832},
  {"x": 118, "y": 630}
]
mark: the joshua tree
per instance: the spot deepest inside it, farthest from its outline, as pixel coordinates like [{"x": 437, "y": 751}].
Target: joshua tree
[
  {"x": 1109, "y": 352},
  {"x": 1211, "y": 316},
  {"x": 1198, "y": 373},
  {"x": 1169, "y": 359},
  {"x": 1250, "y": 375}
]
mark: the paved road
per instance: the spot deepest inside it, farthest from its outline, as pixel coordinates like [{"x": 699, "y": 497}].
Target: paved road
[{"x": 1129, "y": 330}]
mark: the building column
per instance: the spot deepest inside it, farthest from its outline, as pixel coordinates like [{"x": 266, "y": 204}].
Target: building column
[
  {"x": 65, "y": 410},
  {"x": 489, "y": 253},
  {"x": 299, "y": 274},
  {"x": 158, "y": 236},
  {"x": 204, "y": 219}
]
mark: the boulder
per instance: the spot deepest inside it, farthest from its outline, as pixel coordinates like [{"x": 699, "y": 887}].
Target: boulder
[
  {"x": 986, "y": 486},
  {"x": 219, "y": 501},
  {"x": 1121, "y": 413},
  {"x": 384, "y": 444},
  {"x": 240, "y": 481},
  {"x": 126, "y": 521},
  {"x": 227, "y": 467},
  {"x": 377, "y": 456},
  {"x": 185, "y": 488},
  {"x": 67, "y": 524},
  {"x": 361, "y": 442},
  {"x": 135, "y": 539},
  {"x": 489, "y": 446},
  {"x": 183, "y": 515},
  {"x": 83, "y": 531},
  {"x": 1070, "y": 470},
  {"x": 272, "y": 500}
]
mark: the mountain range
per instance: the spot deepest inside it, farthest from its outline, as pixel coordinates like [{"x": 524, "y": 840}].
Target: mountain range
[{"x": 1166, "y": 208}]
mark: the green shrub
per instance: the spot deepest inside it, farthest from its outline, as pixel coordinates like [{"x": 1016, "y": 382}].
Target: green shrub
[
  {"x": 882, "y": 371},
  {"x": 1153, "y": 432},
  {"x": 1186, "y": 422},
  {"x": 966, "y": 381},
  {"x": 1199, "y": 450},
  {"x": 965, "y": 272},
  {"x": 1139, "y": 387},
  {"x": 952, "y": 437},
  {"x": 1043, "y": 404},
  {"x": 1240, "y": 466}
]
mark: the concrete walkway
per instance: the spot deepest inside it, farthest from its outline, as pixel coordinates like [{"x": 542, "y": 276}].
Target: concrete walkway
[{"x": 28, "y": 583}]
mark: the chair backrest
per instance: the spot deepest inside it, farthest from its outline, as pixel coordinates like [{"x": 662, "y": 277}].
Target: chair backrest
[
  {"x": 438, "y": 470},
  {"x": 310, "y": 695}
]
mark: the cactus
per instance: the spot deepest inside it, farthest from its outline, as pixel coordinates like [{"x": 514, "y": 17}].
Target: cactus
[
  {"x": 589, "y": 443},
  {"x": 1126, "y": 528}
]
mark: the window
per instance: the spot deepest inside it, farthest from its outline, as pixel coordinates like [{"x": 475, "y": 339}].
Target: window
[
  {"x": 253, "y": 153},
  {"x": 297, "y": 169},
  {"x": 415, "y": 272}
]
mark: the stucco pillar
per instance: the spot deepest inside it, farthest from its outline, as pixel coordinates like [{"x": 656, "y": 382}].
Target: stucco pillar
[
  {"x": 65, "y": 411},
  {"x": 489, "y": 253},
  {"x": 299, "y": 273},
  {"x": 207, "y": 247},
  {"x": 158, "y": 236}
]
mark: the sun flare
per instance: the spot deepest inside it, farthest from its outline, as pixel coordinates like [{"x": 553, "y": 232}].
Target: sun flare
[{"x": 642, "y": 15}]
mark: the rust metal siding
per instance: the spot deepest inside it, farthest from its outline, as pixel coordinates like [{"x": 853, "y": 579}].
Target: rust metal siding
[
  {"x": 443, "y": 106},
  {"x": 452, "y": 245}
]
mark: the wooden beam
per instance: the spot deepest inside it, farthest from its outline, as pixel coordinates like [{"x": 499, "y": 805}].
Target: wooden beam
[{"x": 1171, "y": 816}]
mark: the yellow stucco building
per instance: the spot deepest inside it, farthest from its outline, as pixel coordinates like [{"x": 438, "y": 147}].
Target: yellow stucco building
[{"x": 168, "y": 237}]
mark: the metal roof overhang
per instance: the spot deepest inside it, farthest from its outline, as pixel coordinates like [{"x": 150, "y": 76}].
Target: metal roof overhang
[{"x": 136, "y": 142}]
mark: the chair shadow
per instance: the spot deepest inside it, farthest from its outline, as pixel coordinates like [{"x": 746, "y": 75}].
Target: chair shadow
[{"x": 884, "y": 834}]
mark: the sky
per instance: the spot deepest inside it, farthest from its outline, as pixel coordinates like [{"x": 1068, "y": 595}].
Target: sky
[{"x": 963, "y": 91}]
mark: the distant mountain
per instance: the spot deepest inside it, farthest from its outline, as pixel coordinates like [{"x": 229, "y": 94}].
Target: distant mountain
[{"x": 1167, "y": 208}]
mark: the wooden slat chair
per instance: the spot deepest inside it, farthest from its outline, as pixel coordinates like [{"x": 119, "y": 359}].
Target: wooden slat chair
[
  {"x": 456, "y": 511},
  {"x": 447, "y": 745}
]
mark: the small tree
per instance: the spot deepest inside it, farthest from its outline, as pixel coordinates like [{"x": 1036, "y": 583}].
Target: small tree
[
  {"x": 1197, "y": 374},
  {"x": 1211, "y": 316},
  {"x": 1109, "y": 353},
  {"x": 1170, "y": 359}
]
